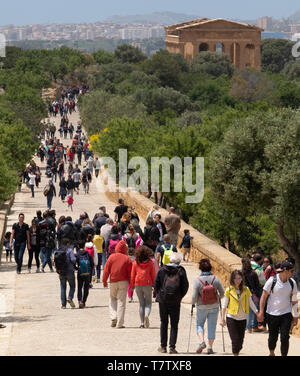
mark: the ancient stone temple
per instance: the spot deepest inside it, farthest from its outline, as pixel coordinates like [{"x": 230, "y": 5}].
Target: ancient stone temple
[{"x": 240, "y": 41}]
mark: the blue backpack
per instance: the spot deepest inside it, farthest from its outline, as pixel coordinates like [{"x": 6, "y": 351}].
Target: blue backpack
[{"x": 84, "y": 265}]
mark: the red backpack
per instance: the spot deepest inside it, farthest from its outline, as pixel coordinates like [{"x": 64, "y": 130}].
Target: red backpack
[
  {"x": 208, "y": 294},
  {"x": 112, "y": 245}
]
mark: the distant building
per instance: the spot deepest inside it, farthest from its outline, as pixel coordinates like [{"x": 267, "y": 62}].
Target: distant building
[
  {"x": 240, "y": 41},
  {"x": 265, "y": 23},
  {"x": 295, "y": 29}
]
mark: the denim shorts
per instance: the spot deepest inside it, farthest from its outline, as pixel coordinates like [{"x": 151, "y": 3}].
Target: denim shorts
[{"x": 209, "y": 315}]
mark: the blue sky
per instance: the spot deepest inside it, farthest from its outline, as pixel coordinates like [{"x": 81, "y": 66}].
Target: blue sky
[{"x": 40, "y": 11}]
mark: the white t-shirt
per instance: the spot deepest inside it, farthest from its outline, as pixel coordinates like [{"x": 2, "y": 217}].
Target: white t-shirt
[
  {"x": 31, "y": 179},
  {"x": 279, "y": 302}
]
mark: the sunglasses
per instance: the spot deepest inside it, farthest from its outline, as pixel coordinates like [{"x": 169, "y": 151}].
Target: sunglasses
[{"x": 238, "y": 279}]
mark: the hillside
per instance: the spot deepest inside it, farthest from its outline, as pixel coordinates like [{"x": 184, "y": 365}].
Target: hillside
[{"x": 161, "y": 18}]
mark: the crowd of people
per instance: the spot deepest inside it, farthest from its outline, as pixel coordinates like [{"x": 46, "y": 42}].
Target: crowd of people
[{"x": 260, "y": 297}]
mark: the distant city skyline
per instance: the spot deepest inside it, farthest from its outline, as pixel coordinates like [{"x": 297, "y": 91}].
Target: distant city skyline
[{"x": 41, "y": 12}]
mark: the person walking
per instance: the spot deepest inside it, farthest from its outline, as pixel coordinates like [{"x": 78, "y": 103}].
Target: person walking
[
  {"x": 51, "y": 192},
  {"x": 34, "y": 232},
  {"x": 236, "y": 302},
  {"x": 170, "y": 286},
  {"x": 252, "y": 282},
  {"x": 65, "y": 262},
  {"x": 97, "y": 166},
  {"x": 63, "y": 189},
  {"x": 19, "y": 237},
  {"x": 85, "y": 264},
  {"x": 118, "y": 268},
  {"x": 173, "y": 224},
  {"x": 165, "y": 250},
  {"x": 282, "y": 307},
  {"x": 151, "y": 235},
  {"x": 207, "y": 294},
  {"x": 31, "y": 182},
  {"x": 98, "y": 243},
  {"x": 186, "y": 244},
  {"x": 142, "y": 279}
]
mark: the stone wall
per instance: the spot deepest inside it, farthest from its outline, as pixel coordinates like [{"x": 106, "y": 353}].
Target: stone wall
[
  {"x": 4, "y": 211},
  {"x": 221, "y": 259}
]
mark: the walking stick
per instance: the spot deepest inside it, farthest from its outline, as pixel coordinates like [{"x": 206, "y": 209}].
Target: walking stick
[
  {"x": 188, "y": 349},
  {"x": 222, "y": 327}
]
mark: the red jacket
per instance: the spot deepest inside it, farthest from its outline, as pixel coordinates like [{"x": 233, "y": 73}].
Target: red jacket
[
  {"x": 142, "y": 274},
  {"x": 118, "y": 267}
]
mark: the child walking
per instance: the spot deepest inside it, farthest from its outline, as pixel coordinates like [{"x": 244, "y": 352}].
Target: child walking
[
  {"x": 70, "y": 201},
  {"x": 7, "y": 247}
]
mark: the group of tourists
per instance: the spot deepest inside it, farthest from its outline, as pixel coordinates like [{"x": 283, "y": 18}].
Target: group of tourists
[{"x": 148, "y": 263}]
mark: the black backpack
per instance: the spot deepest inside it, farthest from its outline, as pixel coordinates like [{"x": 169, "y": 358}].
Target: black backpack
[
  {"x": 275, "y": 281},
  {"x": 60, "y": 260},
  {"x": 171, "y": 292},
  {"x": 67, "y": 231}
]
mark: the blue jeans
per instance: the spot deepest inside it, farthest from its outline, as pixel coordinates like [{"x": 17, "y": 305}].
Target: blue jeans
[
  {"x": 251, "y": 318},
  {"x": 70, "y": 278},
  {"x": 209, "y": 315},
  {"x": 19, "y": 249},
  {"x": 46, "y": 257},
  {"x": 49, "y": 201}
]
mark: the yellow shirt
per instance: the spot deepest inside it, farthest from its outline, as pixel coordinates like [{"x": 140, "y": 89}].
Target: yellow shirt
[
  {"x": 98, "y": 242},
  {"x": 233, "y": 305}
]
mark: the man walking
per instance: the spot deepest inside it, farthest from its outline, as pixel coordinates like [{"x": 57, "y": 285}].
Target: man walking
[
  {"x": 172, "y": 222},
  {"x": 20, "y": 233},
  {"x": 282, "y": 307},
  {"x": 118, "y": 268},
  {"x": 65, "y": 261},
  {"x": 171, "y": 285}
]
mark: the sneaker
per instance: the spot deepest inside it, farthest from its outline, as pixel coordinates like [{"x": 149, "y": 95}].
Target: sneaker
[
  {"x": 210, "y": 351},
  {"x": 43, "y": 270},
  {"x": 63, "y": 307},
  {"x": 130, "y": 300},
  {"x": 29, "y": 271},
  {"x": 142, "y": 326},
  {"x": 98, "y": 281},
  {"x": 72, "y": 304},
  {"x": 162, "y": 350},
  {"x": 113, "y": 323},
  {"x": 81, "y": 305},
  {"x": 200, "y": 348},
  {"x": 172, "y": 350},
  {"x": 38, "y": 271},
  {"x": 147, "y": 322},
  {"x": 120, "y": 327}
]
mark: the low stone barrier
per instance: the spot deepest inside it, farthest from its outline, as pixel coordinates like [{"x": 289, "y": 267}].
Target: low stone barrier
[
  {"x": 4, "y": 211},
  {"x": 222, "y": 260}
]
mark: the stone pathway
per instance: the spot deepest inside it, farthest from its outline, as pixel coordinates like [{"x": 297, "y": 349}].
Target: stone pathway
[{"x": 36, "y": 325}]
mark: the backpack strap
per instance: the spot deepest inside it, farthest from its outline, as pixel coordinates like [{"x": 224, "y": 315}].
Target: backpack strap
[
  {"x": 212, "y": 281},
  {"x": 273, "y": 283}
]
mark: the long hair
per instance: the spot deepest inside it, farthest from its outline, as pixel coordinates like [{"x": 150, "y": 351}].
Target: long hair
[
  {"x": 232, "y": 276},
  {"x": 143, "y": 254}
]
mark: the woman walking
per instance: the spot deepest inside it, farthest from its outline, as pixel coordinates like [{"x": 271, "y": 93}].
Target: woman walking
[
  {"x": 252, "y": 282},
  {"x": 34, "y": 232},
  {"x": 142, "y": 279},
  {"x": 236, "y": 302},
  {"x": 207, "y": 293}
]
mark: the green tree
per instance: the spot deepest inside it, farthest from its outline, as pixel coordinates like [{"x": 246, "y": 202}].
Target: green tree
[
  {"x": 212, "y": 63},
  {"x": 255, "y": 170},
  {"x": 275, "y": 53},
  {"x": 129, "y": 54}
]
